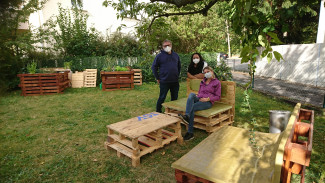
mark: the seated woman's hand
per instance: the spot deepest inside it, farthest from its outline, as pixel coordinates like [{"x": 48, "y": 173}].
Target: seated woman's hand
[{"x": 204, "y": 99}]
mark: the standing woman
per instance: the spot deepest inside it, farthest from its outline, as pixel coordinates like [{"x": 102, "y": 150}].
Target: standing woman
[
  {"x": 195, "y": 69},
  {"x": 209, "y": 92}
]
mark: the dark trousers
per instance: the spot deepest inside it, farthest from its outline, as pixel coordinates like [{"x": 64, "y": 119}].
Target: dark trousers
[{"x": 164, "y": 87}]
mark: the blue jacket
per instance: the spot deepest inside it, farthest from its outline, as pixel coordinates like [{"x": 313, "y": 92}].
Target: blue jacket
[{"x": 166, "y": 67}]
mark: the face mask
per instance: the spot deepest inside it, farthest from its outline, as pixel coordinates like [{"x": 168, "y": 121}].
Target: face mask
[
  {"x": 196, "y": 60},
  {"x": 208, "y": 75},
  {"x": 167, "y": 49}
]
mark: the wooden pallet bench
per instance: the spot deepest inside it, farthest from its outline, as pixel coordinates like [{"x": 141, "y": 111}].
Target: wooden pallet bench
[
  {"x": 141, "y": 135},
  {"x": 117, "y": 80},
  {"x": 297, "y": 150},
  {"x": 220, "y": 114},
  {"x": 226, "y": 155},
  {"x": 43, "y": 84}
]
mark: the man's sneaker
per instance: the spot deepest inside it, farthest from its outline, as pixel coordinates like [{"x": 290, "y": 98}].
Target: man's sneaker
[
  {"x": 188, "y": 136},
  {"x": 185, "y": 118}
]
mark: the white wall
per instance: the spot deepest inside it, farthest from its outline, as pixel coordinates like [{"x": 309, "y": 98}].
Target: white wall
[{"x": 303, "y": 63}]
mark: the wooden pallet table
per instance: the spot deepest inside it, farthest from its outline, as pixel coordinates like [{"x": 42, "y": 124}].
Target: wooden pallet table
[
  {"x": 117, "y": 80},
  {"x": 141, "y": 135},
  {"x": 43, "y": 84}
]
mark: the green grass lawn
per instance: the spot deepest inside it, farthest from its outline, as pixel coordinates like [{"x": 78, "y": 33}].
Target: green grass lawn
[{"x": 60, "y": 138}]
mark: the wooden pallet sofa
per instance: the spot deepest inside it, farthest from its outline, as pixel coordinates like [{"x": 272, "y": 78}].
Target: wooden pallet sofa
[
  {"x": 220, "y": 114},
  {"x": 226, "y": 155}
]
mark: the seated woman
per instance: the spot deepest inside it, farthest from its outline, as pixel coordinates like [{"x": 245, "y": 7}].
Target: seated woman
[
  {"x": 196, "y": 66},
  {"x": 209, "y": 92}
]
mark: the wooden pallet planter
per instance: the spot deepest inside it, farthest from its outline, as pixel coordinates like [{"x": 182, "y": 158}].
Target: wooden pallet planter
[
  {"x": 297, "y": 150},
  {"x": 137, "y": 76},
  {"x": 117, "y": 80},
  {"x": 221, "y": 114},
  {"x": 90, "y": 77},
  {"x": 141, "y": 135},
  {"x": 43, "y": 84},
  {"x": 77, "y": 80}
]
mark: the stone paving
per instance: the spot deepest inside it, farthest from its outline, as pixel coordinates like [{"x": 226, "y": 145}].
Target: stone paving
[{"x": 295, "y": 92}]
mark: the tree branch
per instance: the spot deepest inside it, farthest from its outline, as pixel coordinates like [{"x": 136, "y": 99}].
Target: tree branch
[
  {"x": 203, "y": 11},
  {"x": 178, "y": 3}
]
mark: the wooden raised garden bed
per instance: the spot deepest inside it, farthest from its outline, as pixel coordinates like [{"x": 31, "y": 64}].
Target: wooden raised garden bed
[
  {"x": 43, "y": 84},
  {"x": 117, "y": 80}
]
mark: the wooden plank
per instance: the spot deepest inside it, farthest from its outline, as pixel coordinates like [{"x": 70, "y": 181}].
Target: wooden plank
[
  {"x": 125, "y": 142},
  {"x": 122, "y": 149},
  {"x": 147, "y": 141}
]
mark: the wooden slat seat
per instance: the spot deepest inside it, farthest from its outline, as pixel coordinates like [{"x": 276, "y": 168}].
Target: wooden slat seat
[
  {"x": 180, "y": 105},
  {"x": 220, "y": 114}
]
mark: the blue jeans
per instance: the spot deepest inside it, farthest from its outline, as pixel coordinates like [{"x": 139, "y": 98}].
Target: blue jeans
[
  {"x": 193, "y": 104},
  {"x": 164, "y": 87}
]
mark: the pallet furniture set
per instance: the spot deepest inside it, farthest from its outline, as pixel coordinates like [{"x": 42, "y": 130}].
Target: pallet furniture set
[
  {"x": 226, "y": 155},
  {"x": 117, "y": 80},
  {"x": 141, "y": 135},
  {"x": 43, "y": 84},
  {"x": 222, "y": 113}
]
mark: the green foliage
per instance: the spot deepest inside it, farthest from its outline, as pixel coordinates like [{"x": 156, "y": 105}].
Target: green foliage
[
  {"x": 190, "y": 33},
  {"x": 122, "y": 46},
  {"x": 73, "y": 37},
  {"x": 246, "y": 109},
  {"x": 67, "y": 65},
  {"x": 223, "y": 72},
  {"x": 31, "y": 67},
  {"x": 15, "y": 44},
  {"x": 118, "y": 68}
]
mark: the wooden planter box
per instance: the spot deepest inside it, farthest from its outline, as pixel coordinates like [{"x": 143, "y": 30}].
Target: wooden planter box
[
  {"x": 117, "y": 80},
  {"x": 43, "y": 84}
]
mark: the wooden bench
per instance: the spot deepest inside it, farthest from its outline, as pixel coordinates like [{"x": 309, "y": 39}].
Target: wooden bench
[
  {"x": 226, "y": 155},
  {"x": 220, "y": 114}
]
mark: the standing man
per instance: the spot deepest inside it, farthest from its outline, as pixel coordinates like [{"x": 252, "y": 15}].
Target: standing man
[{"x": 166, "y": 68}]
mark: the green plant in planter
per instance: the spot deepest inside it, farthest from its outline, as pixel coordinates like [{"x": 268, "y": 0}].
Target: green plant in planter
[
  {"x": 31, "y": 67},
  {"x": 118, "y": 68},
  {"x": 223, "y": 72},
  {"x": 67, "y": 65}
]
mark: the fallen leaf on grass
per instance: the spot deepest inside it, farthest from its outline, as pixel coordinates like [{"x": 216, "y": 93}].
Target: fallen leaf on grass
[
  {"x": 95, "y": 160},
  {"x": 163, "y": 153}
]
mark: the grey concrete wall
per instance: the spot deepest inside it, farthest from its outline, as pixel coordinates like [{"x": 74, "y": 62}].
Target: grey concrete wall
[{"x": 303, "y": 63}]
